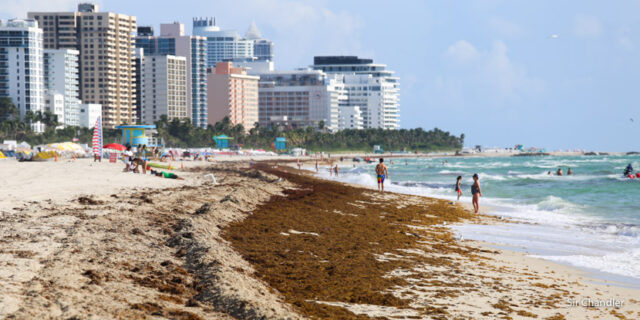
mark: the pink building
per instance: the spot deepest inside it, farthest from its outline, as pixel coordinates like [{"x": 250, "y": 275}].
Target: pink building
[{"x": 233, "y": 93}]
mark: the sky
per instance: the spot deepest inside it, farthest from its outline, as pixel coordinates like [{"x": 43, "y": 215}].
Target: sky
[{"x": 551, "y": 74}]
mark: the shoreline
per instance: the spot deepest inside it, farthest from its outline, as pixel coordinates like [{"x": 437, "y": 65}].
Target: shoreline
[
  {"x": 500, "y": 217},
  {"x": 119, "y": 245}
]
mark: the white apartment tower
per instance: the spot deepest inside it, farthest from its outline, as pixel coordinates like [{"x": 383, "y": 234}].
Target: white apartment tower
[
  {"x": 173, "y": 41},
  {"x": 21, "y": 71},
  {"x": 164, "y": 91},
  {"x": 61, "y": 77},
  {"x": 300, "y": 98},
  {"x": 105, "y": 43},
  {"x": 370, "y": 86}
]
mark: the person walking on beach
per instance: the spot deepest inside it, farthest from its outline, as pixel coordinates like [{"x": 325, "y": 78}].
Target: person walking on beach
[
  {"x": 299, "y": 165},
  {"x": 476, "y": 192},
  {"x": 317, "y": 166},
  {"x": 382, "y": 172},
  {"x": 336, "y": 170},
  {"x": 458, "y": 188}
]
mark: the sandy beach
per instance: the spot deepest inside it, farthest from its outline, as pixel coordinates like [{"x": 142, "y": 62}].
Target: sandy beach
[{"x": 85, "y": 240}]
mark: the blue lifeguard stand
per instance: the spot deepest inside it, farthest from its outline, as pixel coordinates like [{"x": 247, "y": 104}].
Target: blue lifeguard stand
[
  {"x": 222, "y": 141},
  {"x": 280, "y": 144},
  {"x": 134, "y": 135}
]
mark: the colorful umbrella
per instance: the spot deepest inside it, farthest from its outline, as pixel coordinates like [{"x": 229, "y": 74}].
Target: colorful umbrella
[{"x": 114, "y": 146}]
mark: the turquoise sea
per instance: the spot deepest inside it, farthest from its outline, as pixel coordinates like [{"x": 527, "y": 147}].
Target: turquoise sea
[{"x": 589, "y": 220}]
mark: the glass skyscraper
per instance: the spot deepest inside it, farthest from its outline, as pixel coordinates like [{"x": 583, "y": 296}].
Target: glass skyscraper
[{"x": 222, "y": 45}]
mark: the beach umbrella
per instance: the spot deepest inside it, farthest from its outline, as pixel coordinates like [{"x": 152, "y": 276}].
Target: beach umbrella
[
  {"x": 115, "y": 146},
  {"x": 64, "y": 146}
]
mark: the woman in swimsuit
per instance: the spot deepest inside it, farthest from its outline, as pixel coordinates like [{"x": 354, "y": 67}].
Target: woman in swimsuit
[
  {"x": 476, "y": 192},
  {"x": 458, "y": 189}
]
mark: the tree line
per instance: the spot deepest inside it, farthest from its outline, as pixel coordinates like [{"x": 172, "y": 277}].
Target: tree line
[{"x": 183, "y": 134}]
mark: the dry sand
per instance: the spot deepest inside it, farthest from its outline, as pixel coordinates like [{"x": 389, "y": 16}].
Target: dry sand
[{"x": 82, "y": 239}]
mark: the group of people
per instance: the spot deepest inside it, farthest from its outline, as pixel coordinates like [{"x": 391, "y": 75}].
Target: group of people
[
  {"x": 476, "y": 191},
  {"x": 559, "y": 172},
  {"x": 382, "y": 173},
  {"x": 136, "y": 160}
]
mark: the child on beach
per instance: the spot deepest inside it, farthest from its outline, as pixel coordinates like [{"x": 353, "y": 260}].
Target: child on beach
[
  {"x": 476, "y": 192},
  {"x": 458, "y": 189},
  {"x": 128, "y": 159},
  {"x": 382, "y": 173}
]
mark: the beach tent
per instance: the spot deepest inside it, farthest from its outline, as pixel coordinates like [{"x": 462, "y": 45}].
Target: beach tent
[
  {"x": 44, "y": 155},
  {"x": 9, "y": 153},
  {"x": 23, "y": 145}
]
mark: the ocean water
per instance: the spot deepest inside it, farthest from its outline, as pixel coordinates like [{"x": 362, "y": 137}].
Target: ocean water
[{"x": 590, "y": 220}]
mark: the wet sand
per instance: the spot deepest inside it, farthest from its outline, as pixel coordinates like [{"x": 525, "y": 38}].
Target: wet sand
[{"x": 266, "y": 242}]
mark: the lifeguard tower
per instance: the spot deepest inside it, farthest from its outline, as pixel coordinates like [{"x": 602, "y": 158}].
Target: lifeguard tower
[
  {"x": 222, "y": 141},
  {"x": 280, "y": 145},
  {"x": 134, "y": 135}
]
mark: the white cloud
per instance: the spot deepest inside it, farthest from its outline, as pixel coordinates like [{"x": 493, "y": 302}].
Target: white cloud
[
  {"x": 462, "y": 51},
  {"x": 490, "y": 75},
  {"x": 587, "y": 26},
  {"x": 504, "y": 27},
  {"x": 19, "y": 8}
]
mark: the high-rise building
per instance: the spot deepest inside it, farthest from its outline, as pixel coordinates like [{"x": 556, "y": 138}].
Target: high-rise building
[
  {"x": 222, "y": 45},
  {"x": 164, "y": 90},
  {"x": 21, "y": 71},
  {"x": 370, "y": 86},
  {"x": 233, "y": 94},
  {"x": 300, "y": 98},
  {"x": 262, "y": 48},
  {"x": 173, "y": 41},
  {"x": 105, "y": 43},
  {"x": 61, "y": 76}
]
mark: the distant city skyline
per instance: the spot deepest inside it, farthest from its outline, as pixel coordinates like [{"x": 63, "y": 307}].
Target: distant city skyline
[{"x": 538, "y": 73}]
